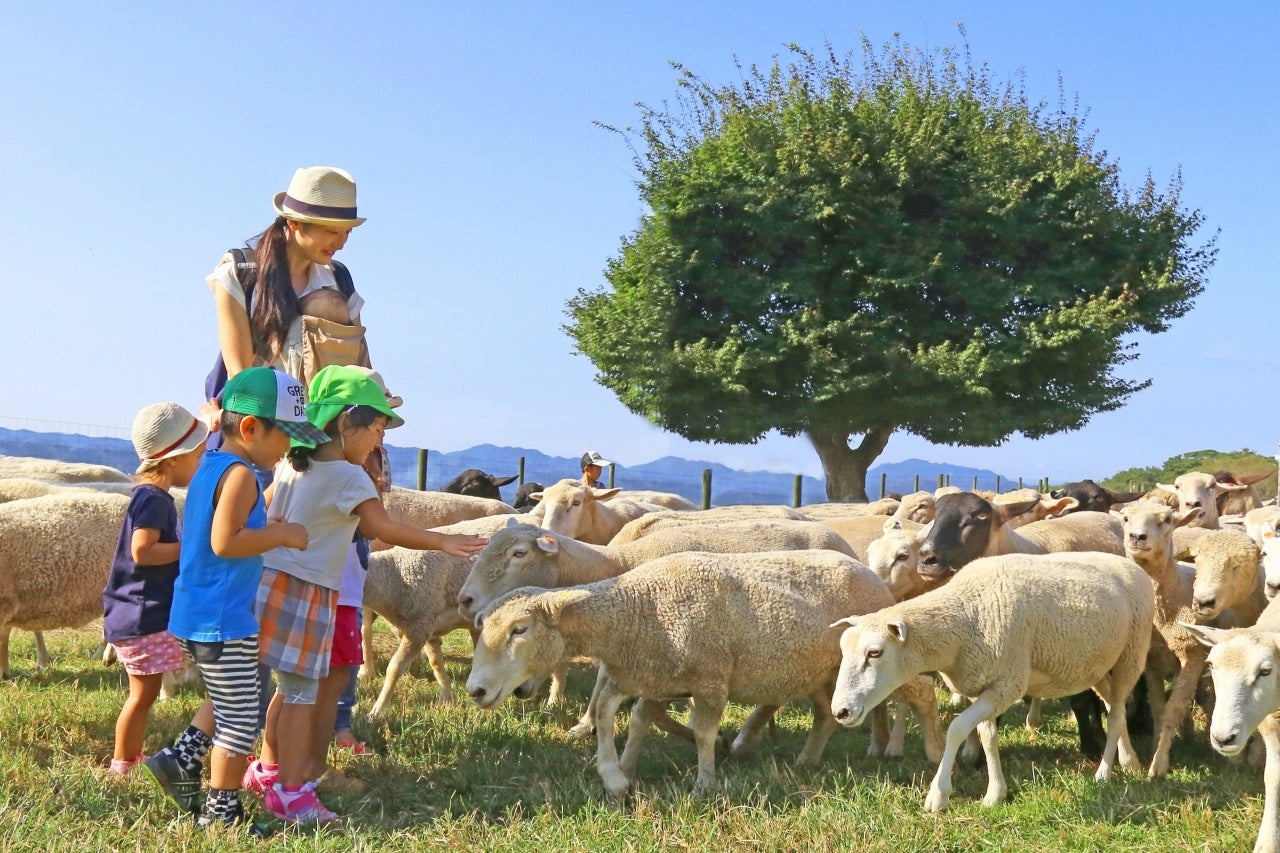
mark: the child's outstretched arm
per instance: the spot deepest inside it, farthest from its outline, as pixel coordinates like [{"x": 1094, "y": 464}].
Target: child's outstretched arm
[
  {"x": 376, "y": 524},
  {"x": 237, "y": 494}
]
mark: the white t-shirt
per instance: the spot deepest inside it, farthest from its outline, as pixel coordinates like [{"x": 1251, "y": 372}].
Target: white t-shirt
[
  {"x": 223, "y": 277},
  {"x": 322, "y": 499}
]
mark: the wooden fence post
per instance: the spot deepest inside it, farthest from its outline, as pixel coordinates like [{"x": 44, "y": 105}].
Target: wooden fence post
[
  {"x": 422, "y": 469},
  {"x": 706, "y": 488},
  {"x": 520, "y": 472},
  {"x": 611, "y": 475},
  {"x": 797, "y": 491},
  {"x": 884, "y": 480}
]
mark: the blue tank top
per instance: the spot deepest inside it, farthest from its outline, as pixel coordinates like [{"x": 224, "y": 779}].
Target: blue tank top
[{"x": 213, "y": 596}]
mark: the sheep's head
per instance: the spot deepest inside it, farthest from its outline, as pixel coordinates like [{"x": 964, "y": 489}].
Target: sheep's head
[
  {"x": 872, "y": 665},
  {"x": 518, "y": 643},
  {"x": 1271, "y": 564},
  {"x": 1148, "y": 528},
  {"x": 568, "y": 506},
  {"x": 517, "y": 555},
  {"x": 1226, "y": 568},
  {"x": 1243, "y": 664},
  {"x": 963, "y": 525}
]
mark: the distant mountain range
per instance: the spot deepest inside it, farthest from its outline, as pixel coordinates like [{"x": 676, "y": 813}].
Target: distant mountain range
[{"x": 668, "y": 474}]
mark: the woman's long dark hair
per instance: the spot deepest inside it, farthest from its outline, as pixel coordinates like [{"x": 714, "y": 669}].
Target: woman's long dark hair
[{"x": 275, "y": 305}]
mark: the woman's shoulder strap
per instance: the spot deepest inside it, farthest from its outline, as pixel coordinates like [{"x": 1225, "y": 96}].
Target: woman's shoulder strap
[{"x": 342, "y": 276}]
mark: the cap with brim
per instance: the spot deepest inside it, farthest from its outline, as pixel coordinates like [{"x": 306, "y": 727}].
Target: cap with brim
[
  {"x": 393, "y": 400},
  {"x": 267, "y": 393},
  {"x": 591, "y": 457},
  {"x": 164, "y": 430},
  {"x": 321, "y": 195},
  {"x": 338, "y": 387}
]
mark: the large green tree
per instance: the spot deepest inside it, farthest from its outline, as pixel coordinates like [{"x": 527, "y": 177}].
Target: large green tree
[{"x": 890, "y": 240}]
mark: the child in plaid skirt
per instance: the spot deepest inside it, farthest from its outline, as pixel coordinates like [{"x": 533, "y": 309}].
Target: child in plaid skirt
[{"x": 325, "y": 489}]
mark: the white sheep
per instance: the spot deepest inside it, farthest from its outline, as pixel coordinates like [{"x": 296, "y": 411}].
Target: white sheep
[
  {"x": 1257, "y": 522},
  {"x": 1271, "y": 565},
  {"x": 585, "y": 513},
  {"x": 666, "y": 500},
  {"x": 917, "y": 506},
  {"x": 57, "y": 471},
  {"x": 652, "y": 521},
  {"x": 417, "y": 592},
  {"x": 895, "y": 558},
  {"x": 1229, "y": 583},
  {"x": 825, "y": 511},
  {"x": 751, "y": 628},
  {"x": 436, "y": 509},
  {"x": 862, "y": 530},
  {"x": 1198, "y": 490},
  {"x": 1040, "y": 625},
  {"x": 1148, "y": 532},
  {"x": 55, "y": 555}
]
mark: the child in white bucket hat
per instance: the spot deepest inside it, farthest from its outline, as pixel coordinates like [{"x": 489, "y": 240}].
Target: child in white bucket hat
[{"x": 139, "y": 591}]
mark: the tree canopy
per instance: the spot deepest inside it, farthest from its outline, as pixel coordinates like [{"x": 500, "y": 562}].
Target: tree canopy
[{"x": 848, "y": 246}]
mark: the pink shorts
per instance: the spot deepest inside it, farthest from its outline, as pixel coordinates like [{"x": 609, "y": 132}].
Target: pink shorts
[
  {"x": 347, "y": 649},
  {"x": 150, "y": 654}
]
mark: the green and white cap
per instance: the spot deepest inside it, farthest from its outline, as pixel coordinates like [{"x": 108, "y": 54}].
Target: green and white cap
[{"x": 273, "y": 394}]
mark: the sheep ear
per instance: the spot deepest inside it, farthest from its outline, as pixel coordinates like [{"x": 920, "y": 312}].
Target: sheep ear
[
  {"x": 1188, "y": 516},
  {"x": 898, "y": 630},
  {"x": 891, "y": 524},
  {"x": 535, "y": 496},
  {"x": 846, "y": 622},
  {"x": 505, "y": 481},
  {"x": 1207, "y": 636},
  {"x": 1167, "y": 487},
  {"x": 547, "y": 544},
  {"x": 1268, "y": 534},
  {"x": 511, "y": 522},
  {"x": 604, "y": 494},
  {"x": 553, "y": 605},
  {"x": 1058, "y": 506}
]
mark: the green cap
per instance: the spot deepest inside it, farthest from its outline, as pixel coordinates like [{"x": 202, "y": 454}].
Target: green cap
[
  {"x": 337, "y": 387},
  {"x": 266, "y": 393}
]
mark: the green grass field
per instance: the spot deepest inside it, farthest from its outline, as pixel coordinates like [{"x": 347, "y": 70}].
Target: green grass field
[{"x": 454, "y": 777}]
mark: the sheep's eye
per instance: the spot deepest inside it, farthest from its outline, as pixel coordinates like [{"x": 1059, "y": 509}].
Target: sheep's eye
[
  {"x": 518, "y": 630},
  {"x": 1264, "y": 670},
  {"x": 519, "y": 552},
  {"x": 577, "y": 503},
  {"x": 873, "y": 654}
]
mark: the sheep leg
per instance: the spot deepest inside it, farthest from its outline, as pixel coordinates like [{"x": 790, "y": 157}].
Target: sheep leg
[
  {"x": 369, "y": 668},
  {"x": 1035, "y": 716},
  {"x": 705, "y": 722},
  {"x": 406, "y": 652},
  {"x": 878, "y": 744},
  {"x": 4, "y": 652},
  {"x": 643, "y": 713},
  {"x": 1269, "y": 832},
  {"x": 1117, "y": 729},
  {"x": 989, "y": 733},
  {"x": 751, "y": 729},
  {"x": 919, "y": 696},
  {"x": 43, "y": 661},
  {"x": 435, "y": 657},
  {"x": 1184, "y": 689},
  {"x": 615, "y": 781},
  {"x": 559, "y": 686},
  {"x": 958, "y": 732},
  {"x": 824, "y": 723}
]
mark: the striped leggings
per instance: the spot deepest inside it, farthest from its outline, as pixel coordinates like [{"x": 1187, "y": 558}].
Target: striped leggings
[{"x": 230, "y": 672}]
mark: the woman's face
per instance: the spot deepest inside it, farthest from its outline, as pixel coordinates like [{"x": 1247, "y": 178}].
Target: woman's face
[{"x": 318, "y": 243}]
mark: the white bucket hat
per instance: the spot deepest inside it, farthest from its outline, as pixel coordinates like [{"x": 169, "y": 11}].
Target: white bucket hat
[
  {"x": 321, "y": 195},
  {"x": 163, "y": 430}
]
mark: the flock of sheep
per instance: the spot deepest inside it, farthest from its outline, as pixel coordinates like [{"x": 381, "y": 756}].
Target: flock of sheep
[{"x": 1082, "y": 593}]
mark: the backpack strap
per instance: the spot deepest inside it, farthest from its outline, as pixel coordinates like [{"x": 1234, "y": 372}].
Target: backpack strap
[
  {"x": 342, "y": 276},
  {"x": 246, "y": 272}
]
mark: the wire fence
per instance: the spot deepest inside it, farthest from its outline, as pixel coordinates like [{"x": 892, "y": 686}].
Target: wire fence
[{"x": 412, "y": 467}]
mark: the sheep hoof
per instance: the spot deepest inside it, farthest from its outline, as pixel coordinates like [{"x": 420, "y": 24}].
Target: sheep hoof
[
  {"x": 582, "y": 730},
  {"x": 992, "y": 799},
  {"x": 936, "y": 801}
]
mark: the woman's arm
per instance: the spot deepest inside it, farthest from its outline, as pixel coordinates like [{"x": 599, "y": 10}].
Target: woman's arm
[
  {"x": 146, "y": 549},
  {"x": 376, "y": 524},
  {"x": 235, "y": 338}
]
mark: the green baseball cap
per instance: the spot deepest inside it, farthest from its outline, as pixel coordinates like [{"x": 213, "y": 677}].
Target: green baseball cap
[
  {"x": 337, "y": 387},
  {"x": 267, "y": 393}
]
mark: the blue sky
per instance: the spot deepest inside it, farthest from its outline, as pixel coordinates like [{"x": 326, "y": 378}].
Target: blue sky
[{"x": 142, "y": 140}]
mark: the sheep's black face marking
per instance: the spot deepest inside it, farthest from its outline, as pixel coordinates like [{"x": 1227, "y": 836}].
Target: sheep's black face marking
[{"x": 961, "y": 530}]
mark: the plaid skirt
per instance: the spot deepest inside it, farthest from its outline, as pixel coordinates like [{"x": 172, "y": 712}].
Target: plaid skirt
[{"x": 296, "y": 622}]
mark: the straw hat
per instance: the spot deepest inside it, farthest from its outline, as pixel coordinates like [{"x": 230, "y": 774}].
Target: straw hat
[
  {"x": 163, "y": 430},
  {"x": 321, "y": 195}
]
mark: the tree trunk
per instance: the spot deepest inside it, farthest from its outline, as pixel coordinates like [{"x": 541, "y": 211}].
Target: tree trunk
[{"x": 845, "y": 467}]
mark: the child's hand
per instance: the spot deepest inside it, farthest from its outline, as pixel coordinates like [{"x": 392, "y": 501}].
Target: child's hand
[
  {"x": 463, "y": 545},
  {"x": 292, "y": 534}
]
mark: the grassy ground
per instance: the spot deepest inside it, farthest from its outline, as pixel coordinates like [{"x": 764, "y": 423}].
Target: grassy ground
[{"x": 454, "y": 777}]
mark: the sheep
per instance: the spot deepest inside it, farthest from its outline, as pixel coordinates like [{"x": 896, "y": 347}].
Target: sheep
[
  {"x": 1148, "y": 541},
  {"x": 436, "y": 509},
  {"x": 751, "y": 628},
  {"x": 1271, "y": 565},
  {"x": 1240, "y": 501},
  {"x": 1228, "y": 588},
  {"x": 1045, "y": 625},
  {"x": 586, "y": 513},
  {"x": 1243, "y": 663},
  {"x": 60, "y": 472},
  {"x": 917, "y": 507},
  {"x": 21, "y": 488},
  {"x": 417, "y": 591},
  {"x": 55, "y": 555},
  {"x": 861, "y": 531},
  {"x": 895, "y": 557},
  {"x": 1091, "y": 497},
  {"x": 824, "y": 511},
  {"x": 666, "y": 500},
  {"x": 523, "y": 501},
  {"x": 1197, "y": 490},
  {"x": 652, "y": 521},
  {"x": 967, "y": 527},
  {"x": 477, "y": 484},
  {"x": 1257, "y": 522}
]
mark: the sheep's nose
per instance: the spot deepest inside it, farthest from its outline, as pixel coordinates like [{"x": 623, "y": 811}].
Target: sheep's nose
[
  {"x": 477, "y": 693},
  {"x": 1137, "y": 537},
  {"x": 1273, "y": 589},
  {"x": 465, "y": 601},
  {"x": 1205, "y": 603},
  {"x": 1225, "y": 740},
  {"x": 928, "y": 558},
  {"x": 842, "y": 714}
]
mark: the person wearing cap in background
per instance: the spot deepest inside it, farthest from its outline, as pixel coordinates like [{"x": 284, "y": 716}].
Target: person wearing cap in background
[
  {"x": 225, "y": 532},
  {"x": 324, "y": 488},
  {"x": 169, "y": 441},
  {"x": 593, "y": 465}
]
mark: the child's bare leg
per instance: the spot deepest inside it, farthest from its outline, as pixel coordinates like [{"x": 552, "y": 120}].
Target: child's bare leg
[{"x": 131, "y": 725}]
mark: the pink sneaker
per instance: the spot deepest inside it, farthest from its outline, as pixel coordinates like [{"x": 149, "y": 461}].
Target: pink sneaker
[
  {"x": 300, "y": 807},
  {"x": 258, "y": 778}
]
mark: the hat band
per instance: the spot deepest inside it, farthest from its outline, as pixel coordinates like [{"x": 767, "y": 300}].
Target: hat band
[
  {"x": 321, "y": 211},
  {"x": 195, "y": 424}
]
